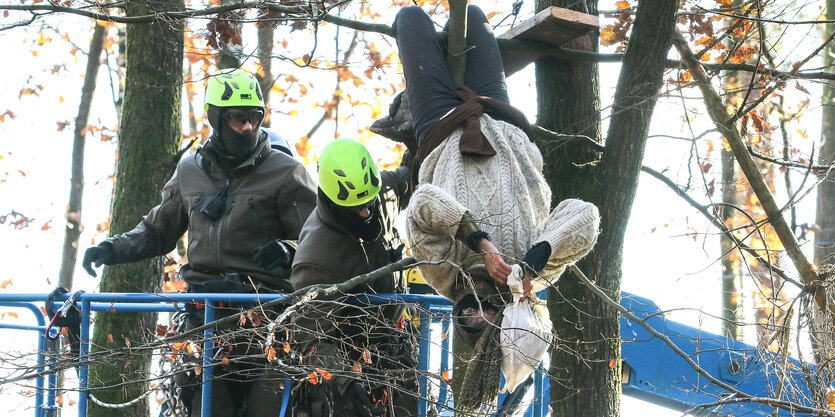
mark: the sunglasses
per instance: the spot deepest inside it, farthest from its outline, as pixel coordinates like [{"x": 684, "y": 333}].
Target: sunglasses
[{"x": 241, "y": 117}]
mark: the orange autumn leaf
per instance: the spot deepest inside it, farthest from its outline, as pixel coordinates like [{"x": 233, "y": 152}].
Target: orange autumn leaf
[
  {"x": 7, "y": 113},
  {"x": 225, "y": 361},
  {"x": 445, "y": 375},
  {"x": 286, "y": 348},
  {"x": 622, "y": 5},
  {"x": 313, "y": 378},
  {"x": 325, "y": 374},
  {"x": 270, "y": 353},
  {"x": 612, "y": 363},
  {"x": 110, "y": 338},
  {"x": 366, "y": 356},
  {"x": 830, "y": 400}
]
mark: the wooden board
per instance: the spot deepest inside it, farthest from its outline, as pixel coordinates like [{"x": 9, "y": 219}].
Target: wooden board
[{"x": 554, "y": 25}]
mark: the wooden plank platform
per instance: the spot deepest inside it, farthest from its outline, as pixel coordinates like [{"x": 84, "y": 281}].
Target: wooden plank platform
[{"x": 554, "y": 25}]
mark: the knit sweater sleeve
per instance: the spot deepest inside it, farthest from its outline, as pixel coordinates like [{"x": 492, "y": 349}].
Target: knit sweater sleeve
[
  {"x": 432, "y": 222},
  {"x": 571, "y": 229}
]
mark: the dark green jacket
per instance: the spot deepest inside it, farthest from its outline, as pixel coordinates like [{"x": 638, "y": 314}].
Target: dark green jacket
[
  {"x": 270, "y": 195},
  {"x": 330, "y": 254}
]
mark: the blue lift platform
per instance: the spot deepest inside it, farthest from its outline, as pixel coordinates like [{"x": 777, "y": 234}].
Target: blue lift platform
[{"x": 652, "y": 371}]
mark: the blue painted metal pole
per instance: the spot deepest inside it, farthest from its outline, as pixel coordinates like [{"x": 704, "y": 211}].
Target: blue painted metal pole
[
  {"x": 41, "y": 328},
  {"x": 23, "y": 327},
  {"x": 423, "y": 358},
  {"x": 39, "y": 383},
  {"x": 285, "y": 398},
  {"x": 52, "y": 380},
  {"x": 445, "y": 352},
  {"x": 538, "y": 401},
  {"x": 208, "y": 354},
  {"x": 83, "y": 356}
]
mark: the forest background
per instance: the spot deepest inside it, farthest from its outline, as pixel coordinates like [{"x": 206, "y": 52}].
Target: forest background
[{"x": 331, "y": 81}]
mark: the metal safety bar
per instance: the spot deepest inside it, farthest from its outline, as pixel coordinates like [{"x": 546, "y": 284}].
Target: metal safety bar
[
  {"x": 430, "y": 307},
  {"x": 41, "y": 360}
]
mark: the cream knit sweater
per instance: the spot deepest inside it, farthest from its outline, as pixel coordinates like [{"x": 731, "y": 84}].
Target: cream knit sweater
[{"x": 508, "y": 198}]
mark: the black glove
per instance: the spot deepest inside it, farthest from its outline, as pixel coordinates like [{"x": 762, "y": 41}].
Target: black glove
[
  {"x": 100, "y": 255},
  {"x": 408, "y": 159},
  {"x": 537, "y": 256},
  {"x": 275, "y": 254}
]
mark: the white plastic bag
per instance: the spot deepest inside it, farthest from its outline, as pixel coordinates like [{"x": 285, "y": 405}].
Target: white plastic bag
[{"x": 526, "y": 334}]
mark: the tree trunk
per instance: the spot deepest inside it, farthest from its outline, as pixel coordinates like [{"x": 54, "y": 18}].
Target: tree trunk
[
  {"x": 732, "y": 258},
  {"x": 585, "y": 371},
  {"x": 456, "y": 61},
  {"x": 73, "y": 229},
  {"x": 568, "y": 103},
  {"x": 825, "y": 237},
  {"x": 149, "y": 136},
  {"x": 266, "y": 31}
]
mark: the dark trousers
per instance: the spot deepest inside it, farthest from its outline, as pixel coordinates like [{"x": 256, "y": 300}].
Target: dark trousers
[
  {"x": 245, "y": 387},
  {"x": 428, "y": 84}
]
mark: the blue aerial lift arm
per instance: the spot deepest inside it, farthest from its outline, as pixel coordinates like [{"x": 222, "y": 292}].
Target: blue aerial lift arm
[{"x": 655, "y": 373}]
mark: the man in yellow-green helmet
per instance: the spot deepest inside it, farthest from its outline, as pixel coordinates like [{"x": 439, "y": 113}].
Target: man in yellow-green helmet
[
  {"x": 351, "y": 232},
  {"x": 242, "y": 204}
]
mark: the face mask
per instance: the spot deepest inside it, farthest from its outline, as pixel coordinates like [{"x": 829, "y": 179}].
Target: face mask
[
  {"x": 241, "y": 145},
  {"x": 366, "y": 228}
]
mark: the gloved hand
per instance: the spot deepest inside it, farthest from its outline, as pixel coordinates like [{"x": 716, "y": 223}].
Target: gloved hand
[
  {"x": 408, "y": 159},
  {"x": 100, "y": 255},
  {"x": 275, "y": 254}
]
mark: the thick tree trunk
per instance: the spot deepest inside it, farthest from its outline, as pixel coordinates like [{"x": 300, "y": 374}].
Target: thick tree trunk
[
  {"x": 586, "y": 367},
  {"x": 568, "y": 102},
  {"x": 149, "y": 136},
  {"x": 825, "y": 237},
  {"x": 73, "y": 228}
]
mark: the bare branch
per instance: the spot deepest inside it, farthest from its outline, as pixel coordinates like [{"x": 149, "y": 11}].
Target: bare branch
[
  {"x": 729, "y": 129},
  {"x": 739, "y": 395}
]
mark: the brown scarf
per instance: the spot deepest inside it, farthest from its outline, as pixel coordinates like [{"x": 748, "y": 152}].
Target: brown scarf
[{"x": 473, "y": 142}]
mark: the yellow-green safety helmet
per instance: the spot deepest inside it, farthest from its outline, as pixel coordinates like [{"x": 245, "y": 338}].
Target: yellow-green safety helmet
[
  {"x": 347, "y": 174},
  {"x": 233, "y": 87}
]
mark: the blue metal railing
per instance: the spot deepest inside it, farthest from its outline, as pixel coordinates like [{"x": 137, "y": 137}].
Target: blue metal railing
[
  {"x": 42, "y": 347},
  {"x": 655, "y": 373},
  {"x": 431, "y": 308}
]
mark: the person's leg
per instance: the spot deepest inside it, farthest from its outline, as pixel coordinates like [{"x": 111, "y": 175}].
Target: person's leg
[
  {"x": 485, "y": 72},
  {"x": 428, "y": 85}
]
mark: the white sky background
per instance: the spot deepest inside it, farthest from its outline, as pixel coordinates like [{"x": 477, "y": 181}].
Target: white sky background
[{"x": 662, "y": 262}]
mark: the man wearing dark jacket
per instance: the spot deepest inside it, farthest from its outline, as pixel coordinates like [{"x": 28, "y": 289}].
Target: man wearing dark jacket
[
  {"x": 351, "y": 232},
  {"x": 243, "y": 204}
]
